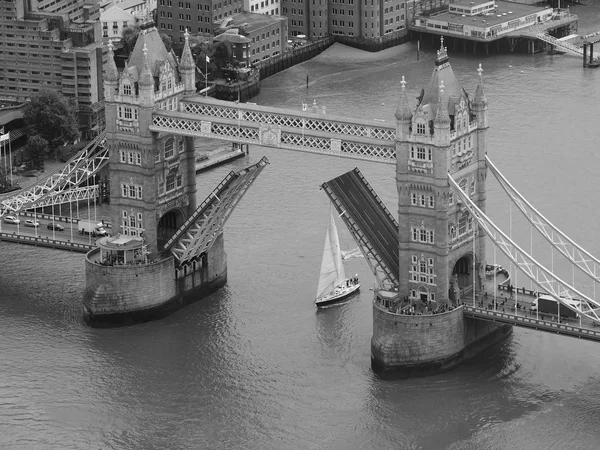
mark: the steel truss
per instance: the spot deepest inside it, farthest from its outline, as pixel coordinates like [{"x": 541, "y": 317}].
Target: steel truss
[
  {"x": 287, "y": 118},
  {"x": 365, "y": 144},
  {"x": 385, "y": 276},
  {"x": 74, "y": 174},
  {"x": 197, "y": 235},
  {"x": 578, "y": 256},
  {"x": 72, "y": 195},
  {"x": 540, "y": 275}
]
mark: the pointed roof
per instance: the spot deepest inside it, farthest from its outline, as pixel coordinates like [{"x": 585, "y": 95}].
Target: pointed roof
[
  {"x": 403, "y": 111},
  {"x": 157, "y": 55},
  {"x": 442, "y": 72},
  {"x": 111, "y": 72},
  {"x": 441, "y": 116},
  {"x": 187, "y": 60},
  {"x": 479, "y": 97},
  {"x": 146, "y": 78}
]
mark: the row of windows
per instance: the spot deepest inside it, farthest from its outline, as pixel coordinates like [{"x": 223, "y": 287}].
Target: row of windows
[
  {"x": 422, "y": 270},
  {"x": 170, "y": 147},
  {"x": 468, "y": 188},
  {"x": 422, "y": 234},
  {"x": 127, "y": 113},
  {"x": 426, "y": 201},
  {"x": 174, "y": 180},
  {"x": 420, "y": 153},
  {"x": 131, "y": 191},
  {"x": 132, "y": 224},
  {"x": 131, "y": 157},
  {"x": 461, "y": 145}
]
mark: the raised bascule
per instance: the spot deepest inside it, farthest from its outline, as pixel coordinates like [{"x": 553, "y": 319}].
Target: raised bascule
[{"x": 167, "y": 250}]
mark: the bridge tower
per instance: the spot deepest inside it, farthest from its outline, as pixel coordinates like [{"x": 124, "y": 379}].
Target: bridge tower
[
  {"x": 152, "y": 177},
  {"x": 152, "y": 193},
  {"x": 441, "y": 250},
  {"x": 445, "y": 134}
]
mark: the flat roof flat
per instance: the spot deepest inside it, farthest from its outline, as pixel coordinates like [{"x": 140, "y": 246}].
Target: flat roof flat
[
  {"x": 469, "y": 3},
  {"x": 507, "y": 11}
]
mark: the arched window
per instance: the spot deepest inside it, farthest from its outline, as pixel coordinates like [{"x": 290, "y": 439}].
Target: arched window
[
  {"x": 463, "y": 185},
  {"x": 169, "y": 148},
  {"x": 180, "y": 145},
  {"x": 462, "y": 224}
]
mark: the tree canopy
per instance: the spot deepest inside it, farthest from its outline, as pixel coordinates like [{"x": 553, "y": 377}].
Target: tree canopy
[
  {"x": 50, "y": 116},
  {"x": 219, "y": 54},
  {"x": 38, "y": 148}
]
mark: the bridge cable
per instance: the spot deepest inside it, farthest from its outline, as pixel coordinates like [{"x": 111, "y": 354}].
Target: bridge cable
[
  {"x": 561, "y": 291},
  {"x": 565, "y": 245}
]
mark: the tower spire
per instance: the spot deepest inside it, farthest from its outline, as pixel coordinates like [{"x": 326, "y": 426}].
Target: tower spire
[
  {"x": 441, "y": 116},
  {"x": 442, "y": 53},
  {"x": 403, "y": 112},
  {"x": 479, "y": 93},
  {"x": 111, "y": 73},
  {"x": 146, "y": 78},
  {"x": 187, "y": 60}
]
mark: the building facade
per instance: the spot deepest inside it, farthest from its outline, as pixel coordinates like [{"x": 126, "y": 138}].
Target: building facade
[
  {"x": 114, "y": 20},
  {"x": 442, "y": 251},
  {"x": 267, "y": 34},
  {"x": 56, "y": 46},
  {"x": 174, "y": 17}
]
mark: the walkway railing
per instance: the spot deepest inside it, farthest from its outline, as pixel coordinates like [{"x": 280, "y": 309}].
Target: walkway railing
[{"x": 531, "y": 322}]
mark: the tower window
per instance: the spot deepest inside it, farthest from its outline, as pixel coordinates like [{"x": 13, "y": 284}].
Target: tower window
[
  {"x": 169, "y": 148},
  {"x": 127, "y": 89},
  {"x": 420, "y": 128}
]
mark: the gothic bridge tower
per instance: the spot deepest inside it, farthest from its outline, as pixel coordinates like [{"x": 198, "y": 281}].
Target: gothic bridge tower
[
  {"x": 152, "y": 177},
  {"x": 152, "y": 194},
  {"x": 441, "y": 250},
  {"x": 444, "y": 134}
]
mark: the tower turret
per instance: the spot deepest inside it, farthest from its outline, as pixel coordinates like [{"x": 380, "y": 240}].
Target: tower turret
[
  {"x": 146, "y": 81},
  {"x": 441, "y": 122},
  {"x": 187, "y": 67},
  {"x": 111, "y": 75},
  {"x": 403, "y": 113},
  {"x": 479, "y": 103}
]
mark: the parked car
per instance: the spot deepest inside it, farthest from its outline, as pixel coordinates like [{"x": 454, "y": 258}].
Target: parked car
[
  {"x": 11, "y": 219},
  {"x": 31, "y": 223},
  {"x": 56, "y": 226}
]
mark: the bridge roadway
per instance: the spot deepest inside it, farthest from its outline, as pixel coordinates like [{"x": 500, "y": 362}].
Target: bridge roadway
[
  {"x": 369, "y": 221},
  {"x": 527, "y": 319}
]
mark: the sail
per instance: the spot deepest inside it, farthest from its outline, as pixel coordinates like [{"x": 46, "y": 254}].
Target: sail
[{"x": 332, "y": 268}]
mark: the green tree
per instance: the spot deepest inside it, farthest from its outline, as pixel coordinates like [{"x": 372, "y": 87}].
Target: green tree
[
  {"x": 167, "y": 41},
  {"x": 38, "y": 148},
  {"x": 129, "y": 36},
  {"x": 222, "y": 54},
  {"x": 50, "y": 116}
]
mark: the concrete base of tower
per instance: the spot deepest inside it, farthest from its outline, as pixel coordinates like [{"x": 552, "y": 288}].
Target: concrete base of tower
[
  {"x": 406, "y": 346},
  {"x": 117, "y": 295}
]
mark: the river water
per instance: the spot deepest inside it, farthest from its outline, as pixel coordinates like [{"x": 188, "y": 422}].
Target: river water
[{"x": 255, "y": 366}]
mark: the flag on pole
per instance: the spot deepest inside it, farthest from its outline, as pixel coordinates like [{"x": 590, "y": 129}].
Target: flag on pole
[
  {"x": 207, "y": 59},
  {"x": 4, "y": 137}
]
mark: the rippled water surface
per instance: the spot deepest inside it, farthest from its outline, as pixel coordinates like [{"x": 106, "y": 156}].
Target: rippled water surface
[{"x": 255, "y": 366}]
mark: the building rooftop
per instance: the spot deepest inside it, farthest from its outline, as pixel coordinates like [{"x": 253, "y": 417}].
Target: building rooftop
[
  {"x": 470, "y": 3},
  {"x": 505, "y": 11},
  {"x": 253, "y": 21}
]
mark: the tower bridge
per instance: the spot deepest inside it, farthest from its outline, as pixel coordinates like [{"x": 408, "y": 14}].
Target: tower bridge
[{"x": 167, "y": 251}]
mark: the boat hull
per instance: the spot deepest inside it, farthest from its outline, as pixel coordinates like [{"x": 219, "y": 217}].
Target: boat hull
[{"x": 342, "y": 295}]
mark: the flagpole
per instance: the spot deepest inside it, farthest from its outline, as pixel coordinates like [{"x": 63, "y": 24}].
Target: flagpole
[
  {"x": 10, "y": 160},
  {"x": 206, "y": 75}
]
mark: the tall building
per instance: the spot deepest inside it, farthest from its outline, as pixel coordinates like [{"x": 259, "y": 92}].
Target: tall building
[
  {"x": 55, "y": 45},
  {"x": 441, "y": 250},
  {"x": 196, "y": 16}
]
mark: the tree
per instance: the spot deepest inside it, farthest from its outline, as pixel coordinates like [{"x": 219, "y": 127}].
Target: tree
[
  {"x": 38, "y": 148},
  {"x": 129, "y": 36},
  {"x": 50, "y": 116},
  {"x": 167, "y": 41},
  {"x": 222, "y": 54}
]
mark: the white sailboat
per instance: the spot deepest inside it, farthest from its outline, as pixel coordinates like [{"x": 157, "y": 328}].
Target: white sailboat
[{"x": 334, "y": 286}]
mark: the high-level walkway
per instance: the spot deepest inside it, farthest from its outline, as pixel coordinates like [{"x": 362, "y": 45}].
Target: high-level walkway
[{"x": 370, "y": 222}]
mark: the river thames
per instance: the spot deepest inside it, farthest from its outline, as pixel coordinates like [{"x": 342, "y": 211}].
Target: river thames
[{"x": 256, "y": 366}]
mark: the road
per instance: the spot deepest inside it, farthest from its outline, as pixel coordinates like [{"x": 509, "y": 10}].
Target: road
[{"x": 43, "y": 231}]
